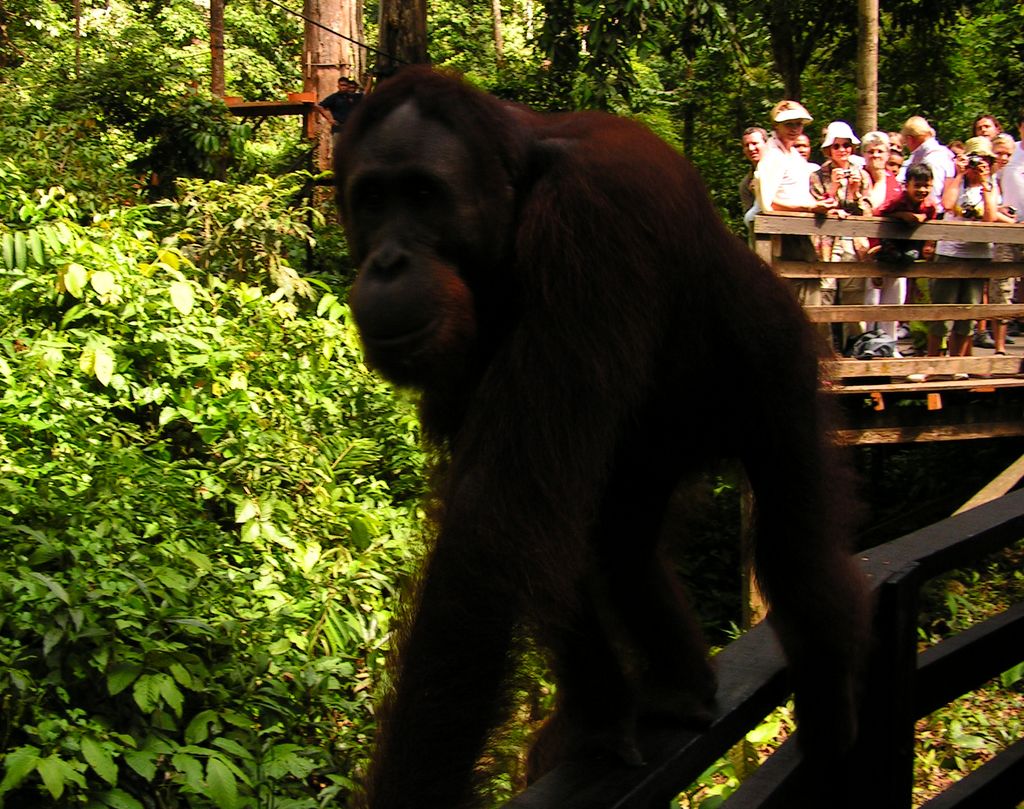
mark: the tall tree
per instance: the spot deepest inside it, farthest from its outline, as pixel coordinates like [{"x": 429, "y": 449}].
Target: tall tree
[
  {"x": 797, "y": 30},
  {"x": 402, "y": 33},
  {"x": 216, "y": 47},
  {"x": 321, "y": 65},
  {"x": 499, "y": 46},
  {"x": 328, "y": 56},
  {"x": 867, "y": 65}
]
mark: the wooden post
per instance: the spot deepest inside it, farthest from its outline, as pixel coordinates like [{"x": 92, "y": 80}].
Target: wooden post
[
  {"x": 885, "y": 748},
  {"x": 754, "y": 609}
]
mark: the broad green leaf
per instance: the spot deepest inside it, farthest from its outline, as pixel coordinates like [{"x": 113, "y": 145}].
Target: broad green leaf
[
  {"x": 35, "y": 246},
  {"x": 310, "y": 555},
  {"x": 246, "y": 510},
  {"x": 20, "y": 250},
  {"x": 182, "y": 297},
  {"x": 222, "y": 784},
  {"x": 53, "y": 357},
  {"x": 198, "y": 730},
  {"x": 119, "y": 799},
  {"x": 232, "y": 747},
  {"x": 168, "y": 414},
  {"x": 283, "y": 759},
  {"x": 170, "y": 259},
  {"x": 146, "y": 692},
  {"x": 122, "y": 676},
  {"x": 103, "y": 365},
  {"x": 1012, "y": 676},
  {"x": 202, "y": 563},
  {"x": 99, "y": 759},
  {"x": 52, "y": 637},
  {"x": 52, "y": 586},
  {"x": 765, "y": 733},
  {"x": 18, "y": 764},
  {"x": 170, "y": 693},
  {"x": 75, "y": 278},
  {"x": 251, "y": 531},
  {"x": 54, "y": 773},
  {"x": 325, "y": 303},
  {"x": 87, "y": 359},
  {"x": 191, "y": 768},
  {"x": 181, "y": 675},
  {"x": 143, "y": 762},
  {"x": 7, "y": 245},
  {"x": 102, "y": 281}
]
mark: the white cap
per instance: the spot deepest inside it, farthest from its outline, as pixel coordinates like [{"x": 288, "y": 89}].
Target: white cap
[{"x": 838, "y": 129}]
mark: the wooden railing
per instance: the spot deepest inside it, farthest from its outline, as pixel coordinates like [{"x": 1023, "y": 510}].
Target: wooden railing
[
  {"x": 767, "y": 227},
  {"x": 885, "y": 382},
  {"x": 900, "y": 686}
]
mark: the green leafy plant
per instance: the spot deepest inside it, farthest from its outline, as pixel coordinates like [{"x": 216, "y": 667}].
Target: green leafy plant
[{"x": 207, "y": 505}]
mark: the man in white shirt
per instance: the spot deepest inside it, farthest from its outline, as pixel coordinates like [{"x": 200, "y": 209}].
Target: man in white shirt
[
  {"x": 1011, "y": 183},
  {"x": 782, "y": 183},
  {"x": 925, "y": 148},
  {"x": 1011, "y": 179}
]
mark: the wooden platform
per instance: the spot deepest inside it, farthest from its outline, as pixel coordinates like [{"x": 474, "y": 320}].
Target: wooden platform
[
  {"x": 266, "y": 109},
  {"x": 882, "y": 404}
]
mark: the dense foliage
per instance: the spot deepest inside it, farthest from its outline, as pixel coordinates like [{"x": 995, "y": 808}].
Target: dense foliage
[{"x": 201, "y": 536}]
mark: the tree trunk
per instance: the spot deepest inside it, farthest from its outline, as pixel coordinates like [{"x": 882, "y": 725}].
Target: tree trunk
[
  {"x": 216, "y": 48},
  {"x": 328, "y": 57},
  {"x": 352, "y": 26},
  {"x": 499, "y": 46},
  {"x": 867, "y": 65},
  {"x": 784, "y": 48},
  {"x": 402, "y": 34}
]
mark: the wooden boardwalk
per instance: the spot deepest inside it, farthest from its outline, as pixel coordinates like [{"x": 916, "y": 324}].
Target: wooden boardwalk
[{"x": 881, "y": 404}]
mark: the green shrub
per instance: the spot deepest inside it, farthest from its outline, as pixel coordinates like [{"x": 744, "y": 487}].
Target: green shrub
[{"x": 206, "y": 502}]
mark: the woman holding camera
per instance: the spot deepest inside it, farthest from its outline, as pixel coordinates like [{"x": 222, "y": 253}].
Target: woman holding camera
[
  {"x": 969, "y": 195},
  {"x": 844, "y": 184}
]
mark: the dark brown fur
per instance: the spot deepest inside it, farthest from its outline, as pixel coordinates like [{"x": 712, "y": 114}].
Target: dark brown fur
[{"x": 586, "y": 334}]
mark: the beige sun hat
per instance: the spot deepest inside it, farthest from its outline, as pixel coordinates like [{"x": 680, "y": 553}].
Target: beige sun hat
[
  {"x": 838, "y": 129},
  {"x": 980, "y": 146},
  {"x": 790, "y": 111}
]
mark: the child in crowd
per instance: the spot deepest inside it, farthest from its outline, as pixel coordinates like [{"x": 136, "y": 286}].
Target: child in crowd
[{"x": 916, "y": 205}]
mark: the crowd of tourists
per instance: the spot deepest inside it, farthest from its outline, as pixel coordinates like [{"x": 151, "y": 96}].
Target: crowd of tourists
[{"x": 906, "y": 175}]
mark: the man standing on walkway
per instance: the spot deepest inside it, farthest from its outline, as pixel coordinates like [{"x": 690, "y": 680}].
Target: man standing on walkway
[{"x": 925, "y": 148}]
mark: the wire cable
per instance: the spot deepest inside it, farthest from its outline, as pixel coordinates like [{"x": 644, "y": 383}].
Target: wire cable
[{"x": 337, "y": 33}]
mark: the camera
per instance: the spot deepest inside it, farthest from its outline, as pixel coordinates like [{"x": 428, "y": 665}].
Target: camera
[{"x": 974, "y": 161}]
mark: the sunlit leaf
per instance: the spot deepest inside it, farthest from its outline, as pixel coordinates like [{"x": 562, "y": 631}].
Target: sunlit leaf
[
  {"x": 182, "y": 297},
  {"x": 102, "y": 281},
  {"x": 103, "y": 365},
  {"x": 75, "y": 279}
]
